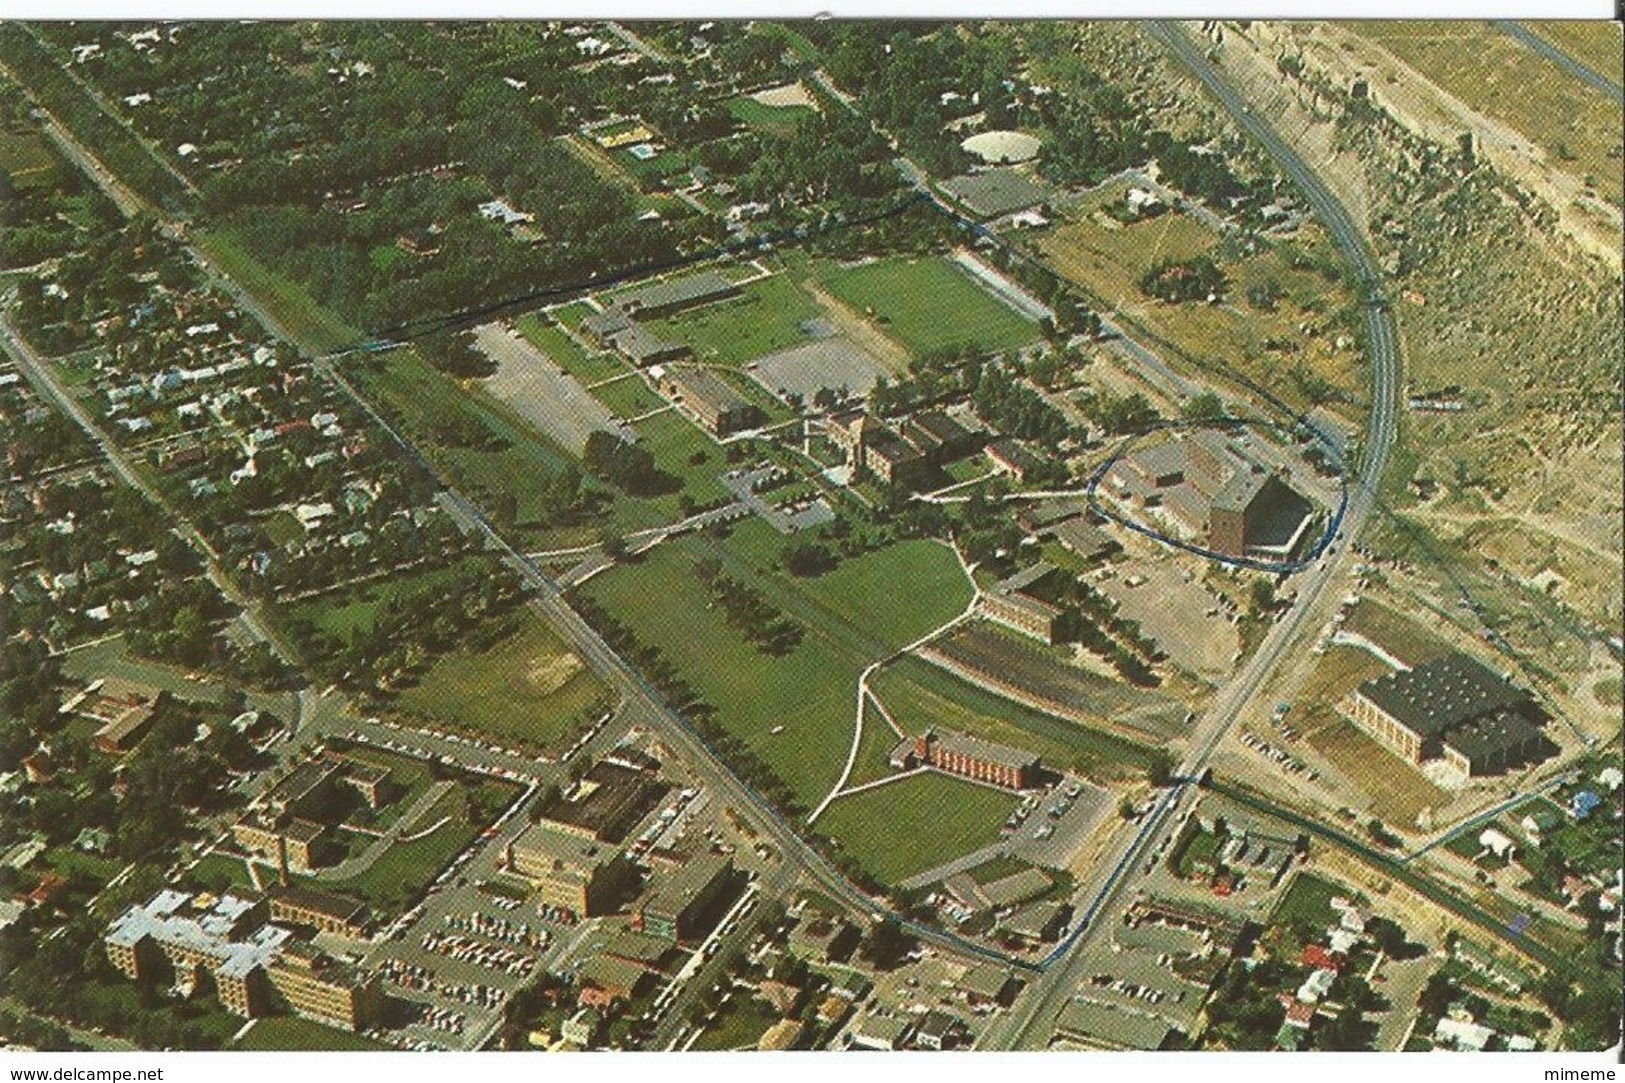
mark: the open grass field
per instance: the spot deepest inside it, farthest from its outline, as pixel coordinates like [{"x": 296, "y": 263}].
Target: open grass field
[
  {"x": 1501, "y": 78},
  {"x": 874, "y": 750},
  {"x": 529, "y": 686},
  {"x": 290, "y": 1032},
  {"x": 929, "y": 304},
  {"x": 26, "y": 156},
  {"x": 1398, "y": 791},
  {"x": 766, "y": 318},
  {"x": 920, "y": 695},
  {"x": 908, "y": 827},
  {"x": 1597, "y": 44},
  {"x": 567, "y": 354},
  {"x": 341, "y": 612},
  {"x": 776, "y": 119},
  {"x": 219, "y": 871},
  {"x": 1266, "y": 344},
  {"x": 740, "y": 1023},
  {"x": 1309, "y": 899},
  {"x": 629, "y": 398},
  {"x": 289, "y": 304},
  {"x": 1404, "y": 638},
  {"x": 853, "y": 615}
]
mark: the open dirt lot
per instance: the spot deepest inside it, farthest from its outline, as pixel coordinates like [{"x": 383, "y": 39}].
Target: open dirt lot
[
  {"x": 1175, "y": 612},
  {"x": 541, "y": 392}
]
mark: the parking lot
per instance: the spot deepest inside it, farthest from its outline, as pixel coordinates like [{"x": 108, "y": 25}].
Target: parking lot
[
  {"x": 1052, "y": 826},
  {"x": 753, "y": 487},
  {"x": 1186, "y": 619}
]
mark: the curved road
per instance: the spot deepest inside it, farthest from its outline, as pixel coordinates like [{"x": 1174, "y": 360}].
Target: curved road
[{"x": 1065, "y": 966}]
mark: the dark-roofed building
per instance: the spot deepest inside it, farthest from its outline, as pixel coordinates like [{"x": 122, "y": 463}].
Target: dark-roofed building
[
  {"x": 685, "y": 905},
  {"x": 676, "y": 294},
  {"x": 939, "y": 437},
  {"x": 125, "y": 710},
  {"x": 1452, "y": 708},
  {"x": 606, "y": 803},
  {"x": 577, "y": 874},
  {"x": 988, "y": 984},
  {"x": 321, "y": 910},
  {"x": 1230, "y": 501},
  {"x": 904, "y": 455},
  {"x": 1010, "y": 456},
  {"x": 1013, "y": 604},
  {"x": 971, "y": 757},
  {"x": 718, "y": 406},
  {"x": 1037, "y": 923},
  {"x": 995, "y": 193},
  {"x": 605, "y": 325},
  {"x": 643, "y": 347}
]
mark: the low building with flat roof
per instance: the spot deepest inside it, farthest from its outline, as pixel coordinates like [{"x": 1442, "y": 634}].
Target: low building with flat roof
[
  {"x": 1096, "y": 1025},
  {"x": 1452, "y": 708},
  {"x": 708, "y": 396},
  {"x": 994, "y": 193},
  {"x": 676, "y": 294}
]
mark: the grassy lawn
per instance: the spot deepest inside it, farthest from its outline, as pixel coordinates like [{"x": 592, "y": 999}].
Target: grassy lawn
[
  {"x": 1596, "y": 44},
  {"x": 288, "y": 303},
  {"x": 853, "y": 615},
  {"x": 739, "y": 1024},
  {"x": 765, "y": 319},
  {"x": 919, "y": 694},
  {"x": 1309, "y": 900},
  {"x": 564, "y": 351},
  {"x": 405, "y": 871},
  {"x": 1399, "y": 635},
  {"x": 68, "y": 860},
  {"x": 629, "y": 398},
  {"x": 903, "y": 829},
  {"x": 219, "y": 871},
  {"x": 874, "y": 750},
  {"x": 530, "y": 686},
  {"x": 25, "y": 152},
  {"x": 342, "y": 612},
  {"x": 290, "y": 1032},
  {"x": 928, "y": 304},
  {"x": 768, "y": 118}
]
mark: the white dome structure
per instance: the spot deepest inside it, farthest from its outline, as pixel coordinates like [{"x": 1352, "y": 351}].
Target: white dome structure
[{"x": 1003, "y": 147}]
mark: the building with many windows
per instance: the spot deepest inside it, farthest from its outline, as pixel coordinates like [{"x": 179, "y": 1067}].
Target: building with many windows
[
  {"x": 581, "y": 875},
  {"x": 686, "y": 904},
  {"x": 971, "y": 757}
]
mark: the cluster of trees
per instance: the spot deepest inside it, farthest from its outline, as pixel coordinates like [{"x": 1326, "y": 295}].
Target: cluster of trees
[
  {"x": 834, "y": 158},
  {"x": 1118, "y": 415},
  {"x": 805, "y": 559},
  {"x": 468, "y": 607},
  {"x": 1092, "y": 619},
  {"x": 1176, "y": 281},
  {"x": 747, "y": 610},
  {"x": 1016, "y": 409},
  {"x": 625, "y": 464}
]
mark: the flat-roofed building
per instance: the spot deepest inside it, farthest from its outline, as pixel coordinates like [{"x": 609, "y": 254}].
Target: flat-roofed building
[
  {"x": 1010, "y": 456},
  {"x": 124, "y": 708},
  {"x": 581, "y": 875},
  {"x": 676, "y": 294},
  {"x": 685, "y": 905},
  {"x": 1012, "y": 603},
  {"x": 708, "y": 396},
  {"x": 1452, "y": 708},
  {"x": 320, "y": 910},
  {"x": 224, "y": 937},
  {"x": 316, "y": 986},
  {"x": 994, "y": 193},
  {"x": 972, "y": 757},
  {"x": 1094, "y": 1025},
  {"x": 643, "y": 347}
]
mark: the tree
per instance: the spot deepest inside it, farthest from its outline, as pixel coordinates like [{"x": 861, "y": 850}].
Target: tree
[
  {"x": 806, "y": 559},
  {"x": 887, "y": 944},
  {"x": 1161, "y": 768},
  {"x": 1205, "y": 407}
]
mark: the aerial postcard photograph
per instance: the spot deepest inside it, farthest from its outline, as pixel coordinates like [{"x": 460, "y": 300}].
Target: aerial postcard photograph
[{"x": 840, "y": 534}]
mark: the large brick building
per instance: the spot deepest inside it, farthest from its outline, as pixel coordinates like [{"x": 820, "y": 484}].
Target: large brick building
[
  {"x": 581, "y": 875},
  {"x": 969, "y": 757},
  {"x": 1452, "y": 709},
  {"x": 684, "y": 905}
]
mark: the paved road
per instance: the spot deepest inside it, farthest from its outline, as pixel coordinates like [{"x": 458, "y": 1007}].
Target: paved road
[
  {"x": 1046, "y": 995},
  {"x": 1593, "y": 79}
]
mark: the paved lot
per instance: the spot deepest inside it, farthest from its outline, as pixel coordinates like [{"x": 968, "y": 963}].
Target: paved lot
[
  {"x": 1185, "y": 618},
  {"x": 748, "y": 485},
  {"x": 805, "y": 370},
  {"x": 541, "y": 392}
]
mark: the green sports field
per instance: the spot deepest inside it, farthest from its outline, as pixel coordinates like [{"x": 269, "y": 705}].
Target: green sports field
[
  {"x": 905, "y": 828},
  {"x": 929, "y": 304},
  {"x": 289, "y": 1032},
  {"x": 765, "y": 319}
]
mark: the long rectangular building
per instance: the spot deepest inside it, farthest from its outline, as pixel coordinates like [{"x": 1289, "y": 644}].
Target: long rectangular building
[{"x": 970, "y": 757}]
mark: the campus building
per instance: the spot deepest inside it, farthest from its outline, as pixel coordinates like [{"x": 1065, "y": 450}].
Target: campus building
[
  {"x": 676, "y": 294},
  {"x": 316, "y": 986},
  {"x": 708, "y": 397},
  {"x": 684, "y": 905},
  {"x": 900, "y": 456},
  {"x": 1217, "y": 493},
  {"x": 203, "y": 935},
  {"x": 1013, "y": 604},
  {"x": 970, "y": 757},
  {"x": 577, "y": 874},
  {"x": 124, "y": 709},
  {"x": 291, "y": 825},
  {"x": 1452, "y": 709},
  {"x": 319, "y": 910}
]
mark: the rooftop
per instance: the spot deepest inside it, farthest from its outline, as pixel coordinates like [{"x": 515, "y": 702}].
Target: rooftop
[
  {"x": 203, "y": 924},
  {"x": 1442, "y": 694},
  {"x": 978, "y": 748},
  {"x": 677, "y": 292},
  {"x": 994, "y": 193}
]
